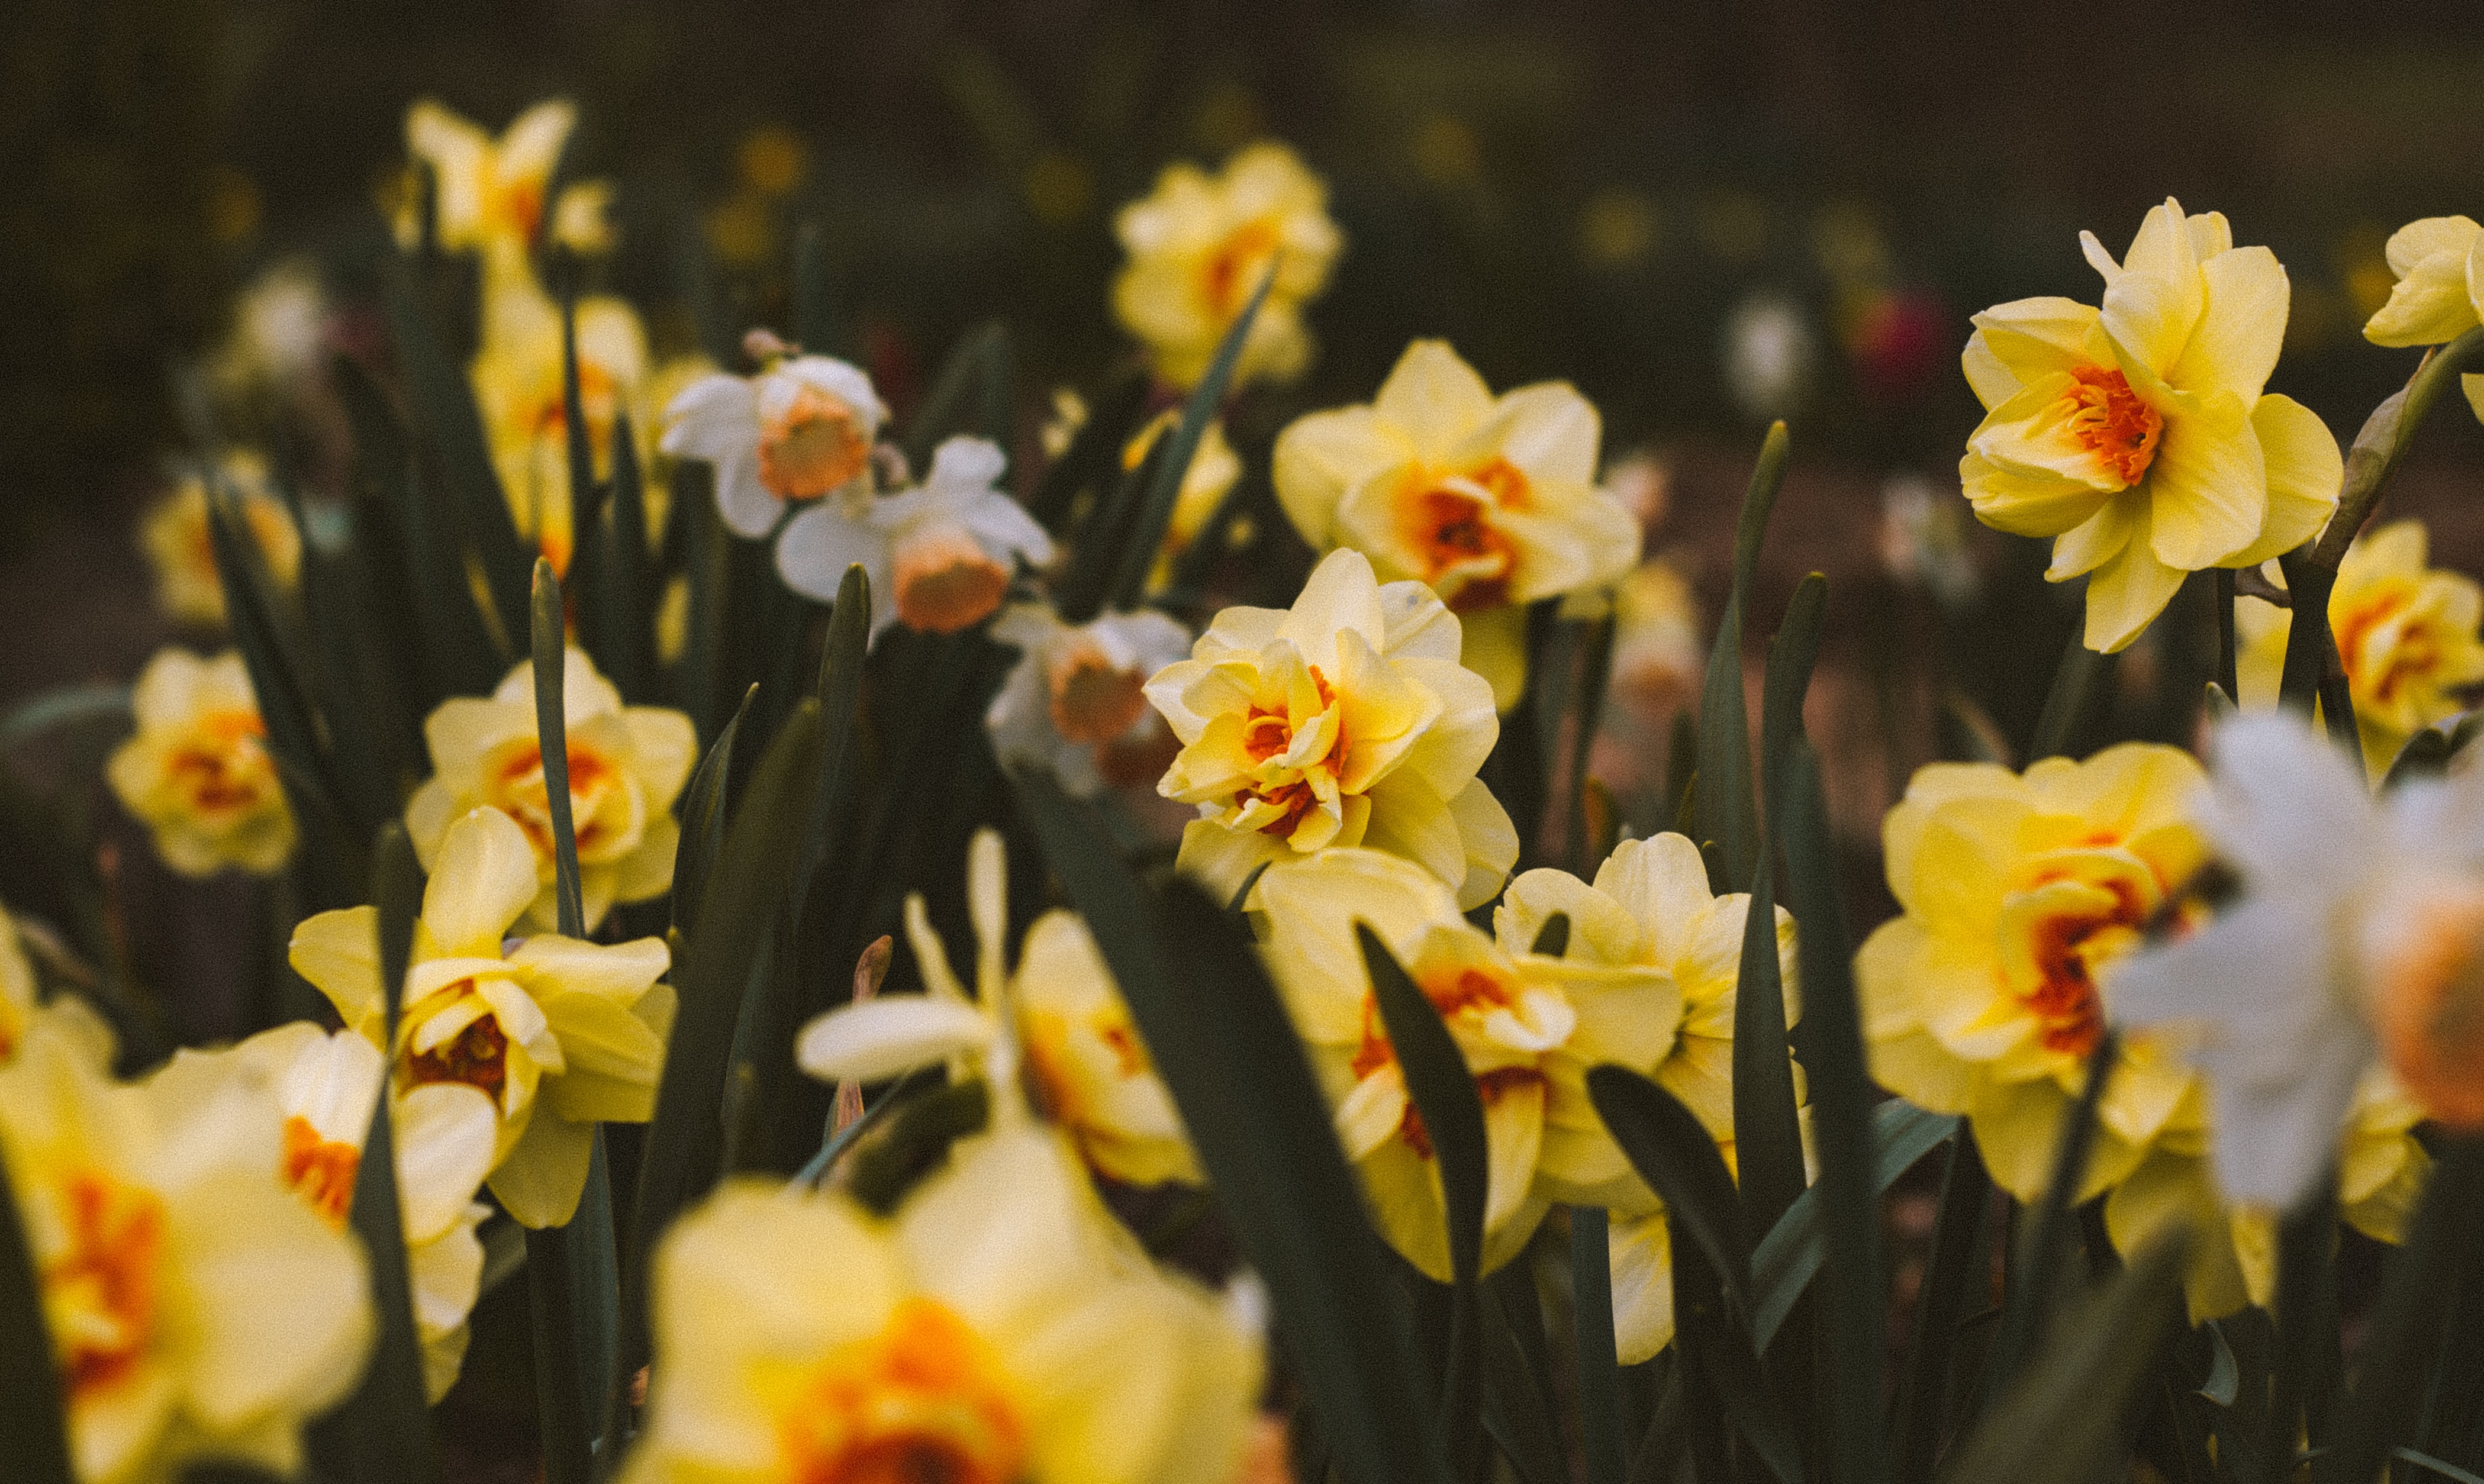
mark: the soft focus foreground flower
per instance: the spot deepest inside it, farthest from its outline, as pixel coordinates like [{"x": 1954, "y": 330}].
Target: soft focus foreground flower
[
  {"x": 560, "y": 1035},
  {"x": 1199, "y": 246},
  {"x": 2021, "y": 895},
  {"x": 800, "y": 430},
  {"x": 627, "y": 764},
  {"x": 18, "y": 1001},
  {"x": 489, "y": 196},
  {"x": 2406, "y": 631},
  {"x": 940, "y": 555},
  {"x": 2139, "y": 435},
  {"x": 1345, "y": 720},
  {"x": 519, "y": 386},
  {"x": 1529, "y": 1025},
  {"x": 199, "y": 773},
  {"x": 279, "y": 332},
  {"x": 2440, "y": 294},
  {"x": 1001, "y": 1327},
  {"x": 1491, "y": 501},
  {"x": 1076, "y": 702},
  {"x": 326, "y": 1084},
  {"x": 175, "y": 537},
  {"x": 198, "y": 1309},
  {"x": 1658, "y": 658}
]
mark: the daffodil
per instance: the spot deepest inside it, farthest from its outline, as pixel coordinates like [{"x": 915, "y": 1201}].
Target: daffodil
[
  {"x": 17, "y": 999},
  {"x": 519, "y": 386},
  {"x": 2405, "y": 630},
  {"x": 800, "y": 431},
  {"x": 198, "y": 773},
  {"x": 326, "y": 1085},
  {"x": 627, "y": 764},
  {"x": 1001, "y": 1328},
  {"x": 940, "y": 555},
  {"x": 2023, "y": 896},
  {"x": 1347, "y": 720},
  {"x": 2439, "y": 295},
  {"x": 1529, "y": 1025},
  {"x": 559, "y": 1035},
  {"x": 1075, "y": 704},
  {"x": 1492, "y": 501},
  {"x": 2138, "y": 435},
  {"x": 198, "y": 1309},
  {"x": 1060, "y": 1019},
  {"x": 1200, "y": 244},
  {"x": 1658, "y": 662},
  {"x": 175, "y": 537},
  {"x": 489, "y": 196}
]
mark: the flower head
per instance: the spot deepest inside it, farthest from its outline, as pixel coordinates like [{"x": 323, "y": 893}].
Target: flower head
[
  {"x": 940, "y": 555},
  {"x": 627, "y": 764},
  {"x": 520, "y": 387},
  {"x": 2138, "y": 435},
  {"x": 1200, "y": 245},
  {"x": 2434, "y": 301},
  {"x": 1347, "y": 720},
  {"x": 800, "y": 431},
  {"x": 199, "y": 773},
  {"x": 560, "y": 1035},
  {"x": 489, "y": 196},
  {"x": 1491, "y": 501},
  {"x": 181, "y": 547},
  {"x": 1076, "y": 702}
]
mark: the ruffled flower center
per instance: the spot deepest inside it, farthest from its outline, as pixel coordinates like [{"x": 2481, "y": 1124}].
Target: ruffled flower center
[
  {"x": 1232, "y": 270},
  {"x": 1268, "y": 739},
  {"x": 100, "y": 1282},
  {"x": 2388, "y": 644},
  {"x": 1448, "y": 518},
  {"x": 320, "y": 1171},
  {"x": 599, "y": 812},
  {"x": 946, "y": 580},
  {"x": 815, "y": 447},
  {"x": 1492, "y": 1017},
  {"x": 2060, "y": 935},
  {"x": 1092, "y": 700},
  {"x": 921, "y": 1402},
  {"x": 478, "y": 1056},
  {"x": 220, "y": 766},
  {"x": 2428, "y": 1001},
  {"x": 2114, "y": 422}
]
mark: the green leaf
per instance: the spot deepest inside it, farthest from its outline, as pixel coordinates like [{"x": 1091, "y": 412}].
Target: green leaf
[
  {"x": 2425, "y": 755},
  {"x": 1513, "y": 1406},
  {"x": 1767, "y": 1130},
  {"x": 817, "y": 326},
  {"x": 2224, "y": 1378},
  {"x": 1237, "y": 1073},
  {"x": 1792, "y": 653},
  {"x": 1791, "y": 1255},
  {"x": 1600, "y": 1379},
  {"x": 580, "y": 445},
  {"x": 1673, "y": 1151},
  {"x": 1728, "y": 813},
  {"x": 623, "y": 611},
  {"x": 2029, "y": 1312},
  {"x": 972, "y": 395},
  {"x": 1958, "y": 1270},
  {"x": 2307, "y": 1362},
  {"x": 1552, "y": 940},
  {"x": 34, "y": 1425},
  {"x": 701, "y": 810},
  {"x": 1721, "y": 1372},
  {"x": 551, "y": 744},
  {"x": 1094, "y": 454}
]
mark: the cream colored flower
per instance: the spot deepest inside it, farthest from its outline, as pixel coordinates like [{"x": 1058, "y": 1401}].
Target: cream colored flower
[
  {"x": 940, "y": 555},
  {"x": 199, "y": 773},
  {"x": 1492, "y": 501},
  {"x": 800, "y": 431},
  {"x": 177, "y": 539},
  {"x": 2440, "y": 293},
  {"x": 488, "y": 195},
  {"x": 560, "y": 1035},
  {"x": 1658, "y": 662},
  {"x": 518, "y": 387},
  {"x": 627, "y": 765},
  {"x": 1345, "y": 720},
  {"x": 278, "y": 334},
  {"x": 1199, "y": 246},
  {"x": 2138, "y": 437},
  {"x": 198, "y": 1309},
  {"x": 1001, "y": 1328},
  {"x": 1076, "y": 704}
]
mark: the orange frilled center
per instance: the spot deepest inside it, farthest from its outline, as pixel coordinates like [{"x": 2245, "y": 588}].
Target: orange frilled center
[
  {"x": 1446, "y": 519},
  {"x": 815, "y": 447},
  {"x": 320, "y": 1171},
  {"x": 1093, "y": 702},
  {"x": 1231, "y": 271},
  {"x": 2068, "y": 924},
  {"x": 921, "y": 1402},
  {"x": 220, "y": 765},
  {"x": 478, "y": 1056},
  {"x": 2386, "y": 649},
  {"x": 946, "y": 581},
  {"x": 1267, "y": 733},
  {"x": 100, "y": 1289},
  {"x": 1453, "y": 992},
  {"x": 513, "y": 783},
  {"x": 2113, "y": 422}
]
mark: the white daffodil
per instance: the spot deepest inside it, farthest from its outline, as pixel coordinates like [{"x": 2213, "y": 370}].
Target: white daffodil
[
  {"x": 798, "y": 433},
  {"x": 939, "y": 555},
  {"x": 1076, "y": 704}
]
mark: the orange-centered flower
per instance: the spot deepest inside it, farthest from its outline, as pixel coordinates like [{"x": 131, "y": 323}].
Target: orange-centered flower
[
  {"x": 320, "y": 1171},
  {"x": 1076, "y": 702},
  {"x": 946, "y": 580},
  {"x": 921, "y": 1402},
  {"x": 199, "y": 773},
  {"x": 1092, "y": 699},
  {"x": 2427, "y": 1000},
  {"x": 99, "y": 1293},
  {"x": 815, "y": 444},
  {"x": 2112, "y": 420}
]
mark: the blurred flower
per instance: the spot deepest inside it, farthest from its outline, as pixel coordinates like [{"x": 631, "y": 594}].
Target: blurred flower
[
  {"x": 2405, "y": 630},
  {"x": 1617, "y": 228},
  {"x": 17, "y": 999},
  {"x": 1345, "y": 720},
  {"x": 1528, "y": 1025},
  {"x": 1491, "y": 501},
  {"x": 940, "y": 555},
  {"x": 1214, "y": 468},
  {"x": 2138, "y": 437},
  {"x": 1075, "y": 705},
  {"x": 488, "y": 197},
  {"x": 1199, "y": 246},
  {"x": 198, "y": 1309},
  {"x": 561, "y": 1035},
  {"x": 2433, "y": 301},
  {"x": 990, "y": 1332},
  {"x": 198, "y": 773},
  {"x": 326, "y": 1086},
  {"x": 278, "y": 330},
  {"x": 800, "y": 430},
  {"x": 1923, "y": 540},
  {"x": 582, "y": 217},
  {"x": 518, "y": 387},
  {"x": 1658, "y": 662},
  {"x": 176, "y": 538},
  {"x": 1770, "y": 347},
  {"x": 1895, "y": 339},
  {"x": 1068, "y": 416},
  {"x": 771, "y": 160},
  {"x": 627, "y": 764},
  {"x": 2021, "y": 893}
]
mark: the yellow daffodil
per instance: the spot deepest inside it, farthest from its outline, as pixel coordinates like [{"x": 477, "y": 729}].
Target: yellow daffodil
[
  {"x": 1076, "y": 704},
  {"x": 940, "y": 555},
  {"x": 489, "y": 196},
  {"x": 198, "y": 1309},
  {"x": 627, "y": 764},
  {"x": 175, "y": 536},
  {"x": 2406, "y": 631},
  {"x": 17, "y": 998},
  {"x": 1492, "y": 501},
  {"x": 560, "y": 1035},
  {"x": 800, "y": 431},
  {"x": 326, "y": 1084},
  {"x": 990, "y": 1333},
  {"x": 1199, "y": 246},
  {"x": 518, "y": 387},
  {"x": 2138, "y": 435},
  {"x": 2021, "y": 893},
  {"x": 1347, "y": 720},
  {"x": 1529, "y": 1026},
  {"x": 1071, "y": 1031},
  {"x": 2439, "y": 295},
  {"x": 199, "y": 773}
]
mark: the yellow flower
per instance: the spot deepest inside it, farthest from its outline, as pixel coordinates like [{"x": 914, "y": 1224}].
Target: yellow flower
[
  {"x": 1199, "y": 246},
  {"x": 489, "y": 196},
  {"x": 175, "y": 536},
  {"x": 2436, "y": 298},
  {"x": 1000, "y": 1328},
  {"x": 627, "y": 764},
  {"x": 1075, "y": 704},
  {"x": 199, "y": 773},
  {"x": 560, "y": 1035},
  {"x": 198, "y": 1309},
  {"x": 17, "y": 1000},
  {"x": 2406, "y": 631},
  {"x": 517, "y": 385},
  {"x": 2020, "y": 895},
  {"x": 1347, "y": 720},
  {"x": 1214, "y": 468},
  {"x": 326, "y": 1085},
  {"x": 2139, "y": 435},
  {"x": 1528, "y": 1025},
  {"x": 1492, "y": 501}
]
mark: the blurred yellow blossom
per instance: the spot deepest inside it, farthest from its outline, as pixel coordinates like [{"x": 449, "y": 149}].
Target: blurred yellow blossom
[
  {"x": 1657, "y": 657},
  {"x": 17, "y": 999},
  {"x": 1199, "y": 246},
  {"x": 1214, "y": 468},
  {"x": 199, "y": 773},
  {"x": 175, "y": 537},
  {"x": 517, "y": 385},
  {"x": 771, "y": 159},
  {"x": 1491, "y": 501},
  {"x": 491, "y": 196},
  {"x": 2138, "y": 437},
  {"x": 2434, "y": 300}
]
